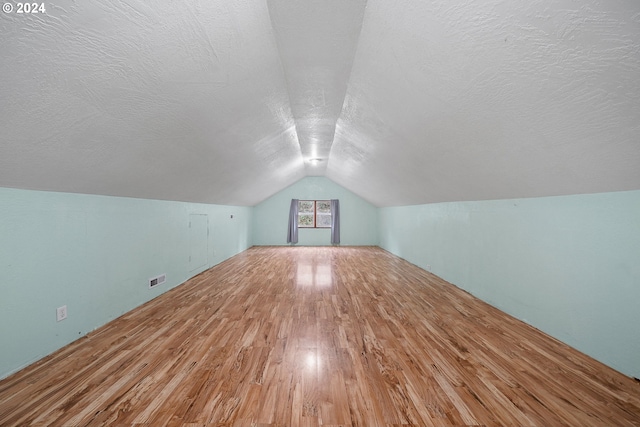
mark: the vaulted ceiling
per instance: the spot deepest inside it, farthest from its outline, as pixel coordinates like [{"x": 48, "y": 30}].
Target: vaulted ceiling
[{"x": 402, "y": 102}]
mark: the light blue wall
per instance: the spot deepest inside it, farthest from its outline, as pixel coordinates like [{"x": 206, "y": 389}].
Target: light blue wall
[
  {"x": 569, "y": 266},
  {"x": 358, "y": 218},
  {"x": 95, "y": 254}
]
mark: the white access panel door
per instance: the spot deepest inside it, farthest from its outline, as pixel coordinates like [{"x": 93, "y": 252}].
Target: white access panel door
[{"x": 198, "y": 241}]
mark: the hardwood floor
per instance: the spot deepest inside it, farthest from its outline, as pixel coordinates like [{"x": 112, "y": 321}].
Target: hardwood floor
[{"x": 318, "y": 336}]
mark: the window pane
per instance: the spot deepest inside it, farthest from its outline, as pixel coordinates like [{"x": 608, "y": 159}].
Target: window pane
[
  {"x": 305, "y": 206},
  {"x": 323, "y": 220},
  {"x": 324, "y": 206},
  {"x": 305, "y": 220}
]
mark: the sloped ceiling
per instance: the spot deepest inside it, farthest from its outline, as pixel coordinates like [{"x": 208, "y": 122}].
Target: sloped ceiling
[{"x": 402, "y": 102}]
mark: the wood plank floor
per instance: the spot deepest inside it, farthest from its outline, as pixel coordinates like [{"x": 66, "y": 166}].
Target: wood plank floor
[{"x": 317, "y": 337}]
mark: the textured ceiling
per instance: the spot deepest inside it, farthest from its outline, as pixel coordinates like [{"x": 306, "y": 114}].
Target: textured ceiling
[{"x": 403, "y": 102}]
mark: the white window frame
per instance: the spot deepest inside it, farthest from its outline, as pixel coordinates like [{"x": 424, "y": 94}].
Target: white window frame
[{"x": 315, "y": 214}]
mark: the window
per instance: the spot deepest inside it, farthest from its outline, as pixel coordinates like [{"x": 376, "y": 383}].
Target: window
[{"x": 314, "y": 213}]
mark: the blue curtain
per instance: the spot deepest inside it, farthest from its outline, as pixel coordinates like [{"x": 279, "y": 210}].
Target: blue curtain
[
  {"x": 335, "y": 221},
  {"x": 292, "y": 231}
]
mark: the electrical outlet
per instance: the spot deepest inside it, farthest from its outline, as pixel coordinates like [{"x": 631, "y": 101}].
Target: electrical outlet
[
  {"x": 428, "y": 267},
  {"x": 61, "y": 313}
]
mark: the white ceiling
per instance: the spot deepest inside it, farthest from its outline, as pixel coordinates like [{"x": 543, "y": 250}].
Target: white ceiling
[{"x": 404, "y": 101}]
